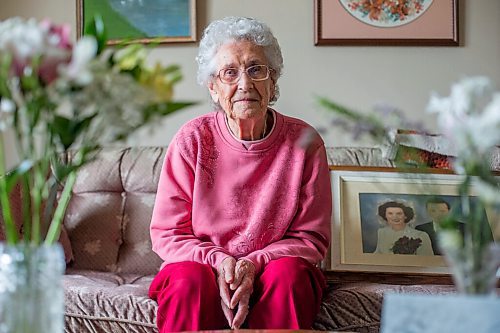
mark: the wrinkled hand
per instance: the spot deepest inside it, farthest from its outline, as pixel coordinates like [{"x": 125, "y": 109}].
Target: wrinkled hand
[
  {"x": 225, "y": 276},
  {"x": 238, "y": 277},
  {"x": 244, "y": 276}
]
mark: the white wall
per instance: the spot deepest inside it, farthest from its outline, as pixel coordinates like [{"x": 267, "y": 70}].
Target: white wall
[{"x": 356, "y": 76}]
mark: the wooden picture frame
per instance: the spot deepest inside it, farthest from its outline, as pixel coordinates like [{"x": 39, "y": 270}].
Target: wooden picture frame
[
  {"x": 357, "y": 194},
  {"x": 140, "y": 21},
  {"x": 352, "y": 22}
]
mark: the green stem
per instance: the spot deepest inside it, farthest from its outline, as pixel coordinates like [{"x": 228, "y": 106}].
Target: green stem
[
  {"x": 21, "y": 144},
  {"x": 37, "y": 203},
  {"x": 39, "y": 183},
  {"x": 10, "y": 228},
  {"x": 55, "y": 226},
  {"x": 26, "y": 206}
]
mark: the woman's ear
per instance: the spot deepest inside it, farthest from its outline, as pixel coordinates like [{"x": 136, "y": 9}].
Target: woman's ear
[
  {"x": 213, "y": 92},
  {"x": 272, "y": 90}
]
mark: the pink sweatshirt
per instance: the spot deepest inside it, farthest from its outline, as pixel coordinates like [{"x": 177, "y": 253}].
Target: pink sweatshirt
[{"x": 217, "y": 198}]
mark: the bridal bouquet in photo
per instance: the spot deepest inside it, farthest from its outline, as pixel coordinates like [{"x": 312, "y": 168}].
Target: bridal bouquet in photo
[
  {"x": 469, "y": 145},
  {"x": 406, "y": 245}
]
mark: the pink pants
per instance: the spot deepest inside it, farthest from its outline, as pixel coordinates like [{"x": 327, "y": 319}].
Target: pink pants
[{"x": 287, "y": 295}]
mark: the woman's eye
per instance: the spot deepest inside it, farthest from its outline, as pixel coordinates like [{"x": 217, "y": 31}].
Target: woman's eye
[
  {"x": 230, "y": 72},
  {"x": 255, "y": 71}
]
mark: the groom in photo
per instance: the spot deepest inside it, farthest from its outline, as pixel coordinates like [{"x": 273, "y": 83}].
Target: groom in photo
[{"x": 438, "y": 210}]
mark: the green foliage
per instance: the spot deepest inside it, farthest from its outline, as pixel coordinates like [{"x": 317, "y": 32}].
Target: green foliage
[
  {"x": 54, "y": 113},
  {"x": 96, "y": 29}
]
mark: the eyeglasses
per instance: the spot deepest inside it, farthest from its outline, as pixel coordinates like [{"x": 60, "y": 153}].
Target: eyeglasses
[{"x": 255, "y": 73}]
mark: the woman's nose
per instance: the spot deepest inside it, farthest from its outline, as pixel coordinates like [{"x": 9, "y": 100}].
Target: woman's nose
[{"x": 245, "y": 81}]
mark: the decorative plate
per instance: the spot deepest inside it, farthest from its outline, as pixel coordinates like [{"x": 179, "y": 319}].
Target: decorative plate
[{"x": 386, "y": 13}]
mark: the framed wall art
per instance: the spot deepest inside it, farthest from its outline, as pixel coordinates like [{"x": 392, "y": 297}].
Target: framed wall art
[
  {"x": 366, "y": 22},
  {"x": 141, "y": 21},
  {"x": 364, "y": 239}
]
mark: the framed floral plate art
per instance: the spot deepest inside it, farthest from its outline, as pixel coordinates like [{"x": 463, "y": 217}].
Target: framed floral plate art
[
  {"x": 141, "y": 21},
  {"x": 381, "y": 22},
  {"x": 383, "y": 220}
]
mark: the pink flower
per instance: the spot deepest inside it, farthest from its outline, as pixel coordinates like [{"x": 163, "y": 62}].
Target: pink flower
[
  {"x": 58, "y": 35},
  {"x": 48, "y": 70},
  {"x": 27, "y": 40},
  {"x": 58, "y": 51}
]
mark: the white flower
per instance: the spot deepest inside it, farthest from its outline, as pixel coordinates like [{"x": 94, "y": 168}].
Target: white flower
[
  {"x": 489, "y": 193},
  {"x": 470, "y": 116},
  {"x": 7, "y": 108},
  {"x": 22, "y": 38},
  {"x": 484, "y": 128},
  {"x": 470, "y": 119},
  {"x": 78, "y": 69},
  {"x": 449, "y": 239}
]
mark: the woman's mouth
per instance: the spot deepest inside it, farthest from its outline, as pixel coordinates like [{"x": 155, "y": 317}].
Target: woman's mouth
[{"x": 247, "y": 100}]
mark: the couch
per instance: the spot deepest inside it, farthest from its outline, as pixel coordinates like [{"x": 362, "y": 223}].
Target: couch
[{"x": 112, "y": 264}]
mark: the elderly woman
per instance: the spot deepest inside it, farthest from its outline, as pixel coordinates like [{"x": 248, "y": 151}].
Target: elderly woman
[
  {"x": 242, "y": 213},
  {"x": 391, "y": 237}
]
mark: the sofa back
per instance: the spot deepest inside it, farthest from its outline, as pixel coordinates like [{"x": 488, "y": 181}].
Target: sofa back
[
  {"x": 108, "y": 217},
  {"x": 109, "y": 214}
]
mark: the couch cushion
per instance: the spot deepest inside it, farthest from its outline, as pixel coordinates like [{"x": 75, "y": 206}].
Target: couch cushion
[
  {"x": 108, "y": 302},
  {"x": 357, "y": 306},
  {"x": 357, "y": 156},
  {"x": 94, "y": 223},
  {"x": 140, "y": 171},
  {"x": 110, "y": 211},
  {"x": 113, "y": 302}
]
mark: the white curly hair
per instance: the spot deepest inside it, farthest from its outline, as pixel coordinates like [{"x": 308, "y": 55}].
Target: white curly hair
[{"x": 231, "y": 29}]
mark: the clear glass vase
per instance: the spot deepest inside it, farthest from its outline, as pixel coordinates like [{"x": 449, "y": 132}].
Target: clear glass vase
[
  {"x": 31, "y": 292},
  {"x": 474, "y": 271}
]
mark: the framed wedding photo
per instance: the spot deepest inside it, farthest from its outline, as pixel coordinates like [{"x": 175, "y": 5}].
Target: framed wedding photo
[
  {"x": 365, "y": 22},
  {"x": 141, "y": 21},
  {"x": 363, "y": 237}
]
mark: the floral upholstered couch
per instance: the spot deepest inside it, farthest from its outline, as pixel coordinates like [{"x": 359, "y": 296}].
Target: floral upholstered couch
[{"x": 112, "y": 264}]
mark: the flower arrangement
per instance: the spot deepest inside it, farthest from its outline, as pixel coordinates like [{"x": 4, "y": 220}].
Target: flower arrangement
[
  {"x": 56, "y": 97},
  {"x": 387, "y": 10},
  {"x": 469, "y": 122},
  {"x": 406, "y": 245}
]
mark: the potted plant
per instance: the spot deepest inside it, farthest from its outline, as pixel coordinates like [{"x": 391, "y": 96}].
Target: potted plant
[
  {"x": 469, "y": 125},
  {"x": 58, "y": 98}
]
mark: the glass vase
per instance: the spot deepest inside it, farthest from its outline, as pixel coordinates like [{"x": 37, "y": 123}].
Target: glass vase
[
  {"x": 31, "y": 292},
  {"x": 474, "y": 271}
]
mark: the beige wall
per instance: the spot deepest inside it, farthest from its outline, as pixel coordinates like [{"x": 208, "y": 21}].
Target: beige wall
[{"x": 356, "y": 76}]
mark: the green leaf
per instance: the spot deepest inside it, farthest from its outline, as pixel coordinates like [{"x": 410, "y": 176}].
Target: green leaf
[
  {"x": 163, "y": 109},
  {"x": 68, "y": 130},
  {"x": 61, "y": 127},
  {"x": 5, "y": 65},
  {"x": 13, "y": 176},
  {"x": 97, "y": 29},
  {"x": 61, "y": 171},
  {"x": 34, "y": 108},
  {"x": 172, "y": 69},
  {"x": 175, "y": 77},
  {"x": 375, "y": 127},
  {"x": 30, "y": 80}
]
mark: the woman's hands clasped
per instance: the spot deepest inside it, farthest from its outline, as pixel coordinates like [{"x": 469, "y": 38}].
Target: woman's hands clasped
[{"x": 235, "y": 279}]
